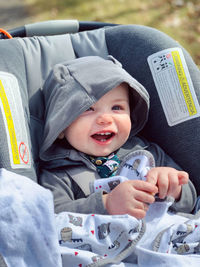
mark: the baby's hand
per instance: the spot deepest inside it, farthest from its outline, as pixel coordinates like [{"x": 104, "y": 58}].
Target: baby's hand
[
  {"x": 168, "y": 180},
  {"x": 130, "y": 197}
]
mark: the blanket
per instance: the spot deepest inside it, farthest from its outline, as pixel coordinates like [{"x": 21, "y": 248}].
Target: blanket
[
  {"x": 32, "y": 235},
  {"x": 27, "y": 223}
]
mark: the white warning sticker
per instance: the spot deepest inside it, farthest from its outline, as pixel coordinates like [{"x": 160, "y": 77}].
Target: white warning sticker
[
  {"x": 14, "y": 121},
  {"x": 174, "y": 85}
]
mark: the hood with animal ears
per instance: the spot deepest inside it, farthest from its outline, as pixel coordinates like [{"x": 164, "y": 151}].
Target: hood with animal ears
[{"x": 74, "y": 86}]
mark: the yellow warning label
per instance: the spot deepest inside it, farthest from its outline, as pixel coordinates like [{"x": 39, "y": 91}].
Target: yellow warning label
[
  {"x": 10, "y": 125},
  {"x": 184, "y": 83}
]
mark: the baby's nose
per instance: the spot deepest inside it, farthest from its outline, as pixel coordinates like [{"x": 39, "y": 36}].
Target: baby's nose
[{"x": 104, "y": 119}]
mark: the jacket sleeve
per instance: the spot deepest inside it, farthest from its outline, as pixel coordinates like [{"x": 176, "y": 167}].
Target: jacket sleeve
[
  {"x": 68, "y": 196},
  {"x": 188, "y": 197}
]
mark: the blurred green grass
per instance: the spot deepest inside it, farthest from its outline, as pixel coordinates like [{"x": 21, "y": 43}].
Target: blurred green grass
[{"x": 178, "y": 18}]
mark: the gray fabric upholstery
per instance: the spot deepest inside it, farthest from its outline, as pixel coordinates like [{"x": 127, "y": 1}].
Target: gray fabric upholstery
[{"x": 12, "y": 62}]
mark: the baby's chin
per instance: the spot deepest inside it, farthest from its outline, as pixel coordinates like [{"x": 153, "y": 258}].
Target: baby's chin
[{"x": 103, "y": 154}]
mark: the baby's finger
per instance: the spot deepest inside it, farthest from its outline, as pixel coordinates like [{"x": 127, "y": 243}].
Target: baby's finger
[
  {"x": 139, "y": 210},
  {"x": 173, "y": 185},
  {"x": 151, "y": 176},
  {"x": 144, "y": 197},
  {"x": 183, "y": 177},
  {"x": 145, "y": 186},
  {"x": 163, "y": 185}
]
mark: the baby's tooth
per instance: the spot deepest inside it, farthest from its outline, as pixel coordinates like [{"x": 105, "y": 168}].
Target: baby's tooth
[{"x": 107, "y": 133}]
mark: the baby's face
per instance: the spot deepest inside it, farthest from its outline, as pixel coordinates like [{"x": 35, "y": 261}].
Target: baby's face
[{"x": 105, "y": 126}]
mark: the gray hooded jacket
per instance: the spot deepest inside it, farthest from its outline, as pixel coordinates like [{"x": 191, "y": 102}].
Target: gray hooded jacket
[{"x": 71, "y": 88}]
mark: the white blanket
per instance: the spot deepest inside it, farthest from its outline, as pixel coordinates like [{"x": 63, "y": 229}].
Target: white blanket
[{"x": 27, "y": 229}]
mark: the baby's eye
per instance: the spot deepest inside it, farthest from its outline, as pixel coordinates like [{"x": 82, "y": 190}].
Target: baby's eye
[
  {"x": 90, "y": 109},
  {"x": 117, "y": 107}
]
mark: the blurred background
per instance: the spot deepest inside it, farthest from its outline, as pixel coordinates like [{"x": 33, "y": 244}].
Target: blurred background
[{"x": 178, "y": 18}]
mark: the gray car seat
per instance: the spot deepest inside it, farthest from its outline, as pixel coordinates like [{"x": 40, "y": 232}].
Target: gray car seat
[{"x": 26, "y": 62}]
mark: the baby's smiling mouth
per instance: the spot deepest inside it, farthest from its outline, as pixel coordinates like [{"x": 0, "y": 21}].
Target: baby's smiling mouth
[{"x": 103, "y": 136}]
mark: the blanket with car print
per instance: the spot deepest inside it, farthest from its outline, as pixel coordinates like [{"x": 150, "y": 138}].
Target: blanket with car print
[{"x": 161, "y": 238}]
